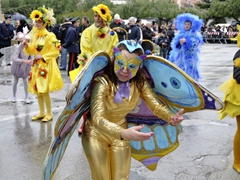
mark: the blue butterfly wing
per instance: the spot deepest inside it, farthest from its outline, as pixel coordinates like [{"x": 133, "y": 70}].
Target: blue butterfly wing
[
  {"x": 78, "y": 102},
  {"x": 176, "y": 90}
]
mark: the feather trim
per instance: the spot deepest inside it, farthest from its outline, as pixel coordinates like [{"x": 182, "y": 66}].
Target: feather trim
[
  {"x": 237, "y": 62},
  {"x": 182, "y": 18}
]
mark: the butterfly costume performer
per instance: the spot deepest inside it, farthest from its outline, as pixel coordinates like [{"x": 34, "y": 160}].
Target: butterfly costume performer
[
  {"x": 114, "y": 106},
  {"x": 185, "y": 55}
]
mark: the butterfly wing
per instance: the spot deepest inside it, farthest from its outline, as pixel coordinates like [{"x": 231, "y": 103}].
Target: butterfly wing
[
  {"x": 78, "y": 102},
  {"x": 176, "y": 90}
]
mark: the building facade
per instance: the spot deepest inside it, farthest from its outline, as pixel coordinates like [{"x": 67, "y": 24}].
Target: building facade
[{"x": 186, "y": 3}]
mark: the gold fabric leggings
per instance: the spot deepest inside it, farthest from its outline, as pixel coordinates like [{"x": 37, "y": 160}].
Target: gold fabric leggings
[{"x": 109, "y": 158}]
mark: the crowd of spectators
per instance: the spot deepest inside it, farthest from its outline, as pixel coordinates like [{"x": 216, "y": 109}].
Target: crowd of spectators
[{"x": 220, "y": 34}]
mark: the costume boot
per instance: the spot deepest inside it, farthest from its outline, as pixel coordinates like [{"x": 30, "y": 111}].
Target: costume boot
[
  {"x": 236, "y": 147},
  {"x": 41, "y": 108},
  {"x": 48, "y": 104}
]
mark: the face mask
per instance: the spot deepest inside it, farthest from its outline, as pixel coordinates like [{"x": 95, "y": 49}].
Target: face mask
[{"x": 131, "y": 66}]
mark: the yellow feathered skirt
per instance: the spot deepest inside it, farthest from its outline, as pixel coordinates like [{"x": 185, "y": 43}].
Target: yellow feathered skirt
[{"x": 231, "y": 99}]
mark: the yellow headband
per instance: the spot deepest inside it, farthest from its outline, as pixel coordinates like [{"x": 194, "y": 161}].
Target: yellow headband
[{"x": 103, "y": 12}]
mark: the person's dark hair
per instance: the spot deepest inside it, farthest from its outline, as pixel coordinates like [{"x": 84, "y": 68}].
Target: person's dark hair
[
  {"x": 138, "y": 20},
  {"x": 23, "y": 23},
  {"x": 86, "y": 19},
  {"x": 164, "y": 31},
  {"x": 139, "y": 79},
  {"x": 7, "y": 16}
]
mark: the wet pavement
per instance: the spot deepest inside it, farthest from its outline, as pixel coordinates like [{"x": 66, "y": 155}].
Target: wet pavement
[{"x": 205, "y": 151}]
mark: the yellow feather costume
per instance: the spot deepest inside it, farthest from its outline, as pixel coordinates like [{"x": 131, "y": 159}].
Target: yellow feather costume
[{"x": 44, "y": 75}]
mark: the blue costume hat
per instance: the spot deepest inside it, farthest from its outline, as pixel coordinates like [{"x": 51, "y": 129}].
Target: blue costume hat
[
  {"x": 131, "y": 45},
  {"x": 195, "y": 21}
]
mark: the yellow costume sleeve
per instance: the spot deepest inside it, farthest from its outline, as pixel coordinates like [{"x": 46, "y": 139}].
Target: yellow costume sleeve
[
  {"x": 98, "y": 109},
  {"x": 30, "y": 50},
  {"x": 155, "y": 104},
  {"x": 50, "y": 50}
]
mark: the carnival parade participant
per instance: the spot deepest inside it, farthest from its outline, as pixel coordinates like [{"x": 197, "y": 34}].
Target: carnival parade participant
[
  {"x": 97, "y": 37},
  {"x": 20, "y": 67},
  {"x": 44, "y": 76},
  {"x": 232, "y": 103},
  {"x": 105, "y": 137},
  {"x": 185, "y": 44}
]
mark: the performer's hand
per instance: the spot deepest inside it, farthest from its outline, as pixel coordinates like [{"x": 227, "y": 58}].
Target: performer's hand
[
  {"x": 25, "y": 44},
  {"x": 28, "y": 62},
  {"x": 178, "y": 118},
  {"x": 118, "y": 29},
  {"x": 134, "y": 134},
  {"x": 182, "y": 40},
  {"x": 81, "y": 60},
  {"x": 38, "y": 56}
]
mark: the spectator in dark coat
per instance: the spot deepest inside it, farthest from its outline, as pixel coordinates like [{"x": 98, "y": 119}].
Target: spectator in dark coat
[
  {"x": 148, "y": 34},
  {"x": 62, "y": 36},
  {"x": 117, "y": 22},
  {"x": 134, "y": 31},
  {"x": 6, "y": 33},
  {"x": 72, "y": 44},
  {"x": 171, "y": 34},
  {"x": 164, "y": 43}
]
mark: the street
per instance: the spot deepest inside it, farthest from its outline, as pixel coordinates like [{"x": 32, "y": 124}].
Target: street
[{"x": 205, "y": 151}]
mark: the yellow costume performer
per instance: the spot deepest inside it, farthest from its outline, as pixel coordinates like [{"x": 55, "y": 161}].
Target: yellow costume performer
[
  {"x": 232, "y": 104},
  {"x": 44, "y": 76},
  {"x": 96, "y": 37}
]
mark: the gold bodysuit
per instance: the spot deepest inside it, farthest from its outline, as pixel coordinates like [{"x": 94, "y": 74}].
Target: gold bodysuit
[{"x": 108, "y": 155}]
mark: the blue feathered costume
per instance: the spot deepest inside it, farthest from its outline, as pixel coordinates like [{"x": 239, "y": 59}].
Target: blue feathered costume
[{"x": 185, "y": 55}]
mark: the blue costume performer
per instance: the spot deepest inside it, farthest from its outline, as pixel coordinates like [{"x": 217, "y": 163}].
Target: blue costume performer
[
  {"x": 121, "y": 95},
  {"x": 185, "y": 44}
]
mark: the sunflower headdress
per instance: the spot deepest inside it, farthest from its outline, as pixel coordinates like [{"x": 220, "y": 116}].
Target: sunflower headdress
[
  {"x": 43, "y": 14},
  {"x": 103, "y": 12}
]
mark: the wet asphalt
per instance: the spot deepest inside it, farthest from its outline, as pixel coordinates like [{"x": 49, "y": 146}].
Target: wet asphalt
[{"x": 205, "y": 151}]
